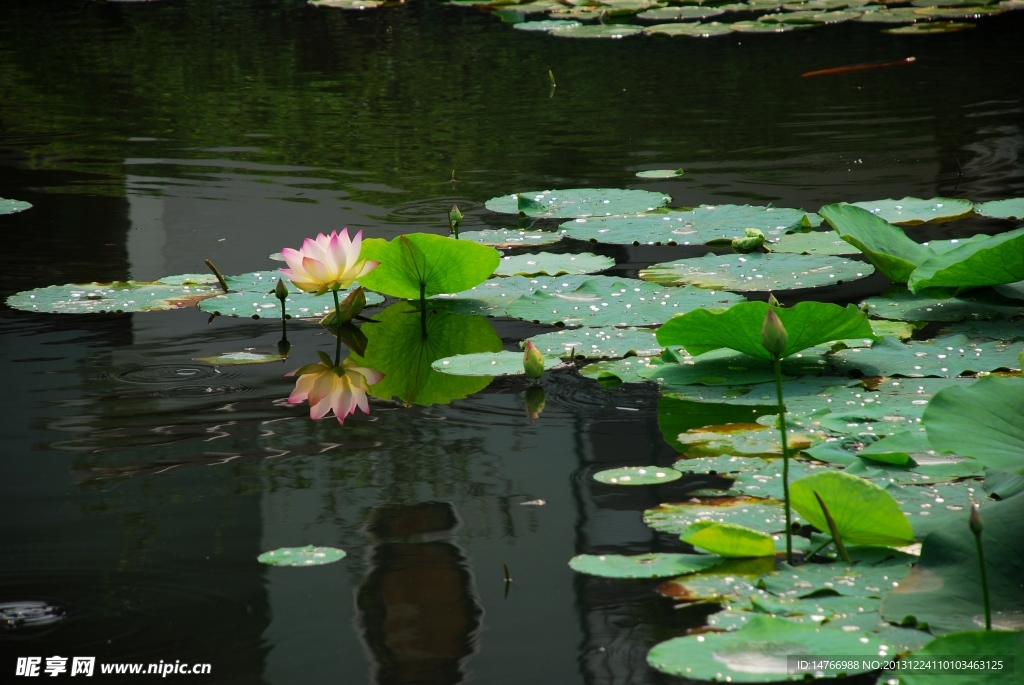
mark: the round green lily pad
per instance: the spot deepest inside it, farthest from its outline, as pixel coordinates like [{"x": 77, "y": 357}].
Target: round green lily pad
[
  {"x": 578, "y": 202},
  {"x": 680, "y": 13},
  {"x": 931, "y": 27},
  {"x": 301, "y": 556},
  {"x": 172, "y": 292},
  {"x": 618, "y": 370},
  {"x": 897, "y": 15},
  {"x": 508, "y": 237},
  {"x": 486, "y": 364},
  {"x": 812, "y": 242},
  {"x": 12, "y": 206},
  {"x": 552, "y": 264},
  {"x": 753, "y": 512},
  {"x": 724, "y": 463},
  {"x": 656, "y": 565},
  {"x": 637, "y": 475},
  {"x": 761, "y": 27},
  {"x": 606, "y": 342},
  {"x": 1002, "y": 209},
  {"x": 911, "y": 211},
  {"x": 545, "y": 25},
  {"x": 659, "y": 173},
  {"x": 798, "y": 17},
  {"x": 948, "y": 356},
  {"x": 252, "y": 295},
  {"x": 758, "y": 272},
  {"x": 613, "y": 31},
  {"x": 903, "y": 305},
  {"x": 241, "y": 358},
  {"x": 694, "y": 29}
]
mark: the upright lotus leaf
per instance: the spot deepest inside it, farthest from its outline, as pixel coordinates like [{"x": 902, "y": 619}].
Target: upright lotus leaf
[
  {"x": 396, "y": 347},
  {"x": 729, "y": 539},
  {"x": 1002, "y": 209},
  {"x": 753, "y": 512},
  {"x": 690, "y": 227},
  {"x": 996, "y": 260},
  {"x": 984, "y": 420},
  {"x": 812, "y": 242},
  {"x": 507, "y": 237},
  {"x": 578, "y": 202},
  {"x": 552, "y": 264},
  {"x": 420, "y": 264},
  {"x": 902, "y": 305},
  {"x": 948, "y": 356},
  {"x": 864, "y": 513},
  {"x": 757, "y": 272},
  {"x": 982, "y": 646},
  {"x": 171, "y": 292},
  {"x": 606, "y": 342},
  {"x": 739, "y": 327},
  {"x": 486, "y": 364},
  {"x": 607, "y": 301},
  {"x": 12, "y": 206},
  {"x": 758, "y": 652},
  {"x": 886, "y": 246},
  {"x": 944, "y": 590},
  {"x": 911, "y": 210},
  {"x": 657, "y": 565}
]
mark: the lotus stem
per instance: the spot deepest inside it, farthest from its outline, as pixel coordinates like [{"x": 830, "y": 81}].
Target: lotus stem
[
  {"x": 777, "y": 367},
  {"x": 218, "y": 274},
  {"x": 833, "y": 530},
  {"x": 976, "y": 528},
  {"x": 423, "y": 309},
  {"x": 337, "y": 318}
]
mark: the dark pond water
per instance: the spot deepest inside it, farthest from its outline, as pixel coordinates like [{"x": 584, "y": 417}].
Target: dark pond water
[{"x": 138, "y": 486}]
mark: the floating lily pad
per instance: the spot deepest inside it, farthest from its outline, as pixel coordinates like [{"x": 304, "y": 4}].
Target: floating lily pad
[
  {"x": 599, "y": 343},
  {"x": 486, "y": 364},
  {"x": 725, "y": 367},
  {"x": 757, "y": 652},
  {"x": 252, "y": 295},
  {"x": 930, "y": 505},
  {"x": 1010, "y": 331},
  {"x": 767, "y": 482},
  {"x": 753, "y": 512},
  {"x": 579, "y": 202},
  {"x": 637, "y": 475},
  {"x": 981, "y": 645},
  {"x": 552, "y": 264},
  {"x": 730, "y": 581},
  {"x": 301, "y": 556},
  {"x": 761, "y": 27},
  {"x": 348, "y": 4},
  {"x": 758, "y": 272},
  {"x": 692, "y": 227},
  {"x": 812, "y": 242},
  {"x": 545, "y": 25},
  {"x": 911, "y": 210},
  {"x": 903, "y": 305},
  {"x": 861, "y": 580},
  {"x": 931, "y": 469},
  {"x": 797, "y": 17},
  {"x": 607, "y": 301},
  {"x": 237, "y": 358},
  {"x": 1002, "y": 209},
  {"x": 509, "y": 237},
  {"x": 694, "y": 29},
  {"x": 680, "y": 13},
  {"x": 944, "y": 591},
  {"x": 491, "y": 297},
  {"x": 172, "y": 292},
  {"x": 725, "y": 463},
  {"x": 740, "y": 439},
  {"x": 660, "y": 173},
  {"x": 656, "y": 565},
  {"x": 12, "y": 206},
  {"x": 958, "y": 12},
  {"x": 863, "y": 513},
  {"x": 931, "y": 27},
  {"x": 948, "y": 356},
  {"x": 620, "y": 370},
  {"x": 990, "y": 260},
  {"x": 898, "y": 15}
]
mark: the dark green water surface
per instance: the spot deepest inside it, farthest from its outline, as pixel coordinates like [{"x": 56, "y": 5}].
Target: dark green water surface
[{"x": 137, "y": 486}]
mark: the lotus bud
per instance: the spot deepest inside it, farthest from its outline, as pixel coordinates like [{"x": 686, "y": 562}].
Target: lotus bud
[
  {"x": 773, "y": 334},
  {"x": 454, "y": 219},
  {"x": 533, "y": 360},
  {"x": 975, "y": 520},
  {"x": 535, "y": 401},
  {"x": 280, "y": 290}
]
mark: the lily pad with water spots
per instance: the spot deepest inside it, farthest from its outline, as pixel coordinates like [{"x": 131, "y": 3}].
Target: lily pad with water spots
[
  {"x": 911, "y": 211},
  {"x": 660, "y": 173},
  {"x": 621, "y": 370},
  {"x": 758, "y": 652},
  {"x": 680, "y": 13},
  {"x": 12, "y": 206},
  {"x": 902, "y": 305},
  {"x": 694, "y": 29},
  {"x": 578, "y": 202},
  {"x": 486, "y": 364},
  {"x": 252, "y": 295},
  {"x": 762, "y": 27},
  {"x": 977, "y": 644},
  {"x": 860, "y": 580},
  {"x": 301, "y": 556},
  {"x": 948, "y": 356},
  {"x": 608, "y": 301},
  {"x": 691, "y": 227},
  {"x": 753, "y": 512},
  {"x": 655, "y": 565},
  {"x": 930, "y": 470},
  {"x": 758, "y": 272},
  {"x": 928, "y": 506},
  {"x": 491, "y": 297},
  {"x": 606, "y": 342},
  {"x": 545, "y": 25},
  {"x": 896, "y": 15},
  {"x": 172, "y": 292},
  {"x": 725, "y": 367},
  {"x": 767, "y": 482},
  {"x": 241, "y": 358},
  {"x": 722, "y": 464},
  {"x": 1002, "y": 209},
  {"x": 637, "y": 475},
  {"x": 510, "y": 237},
  {"x": 732, "y": 581},
  {"x": 546, "y": 263},
  {"x": 812, "y": 242},
  {"x": 347, "y": 4},
  {"x": 932, "y": 27}
]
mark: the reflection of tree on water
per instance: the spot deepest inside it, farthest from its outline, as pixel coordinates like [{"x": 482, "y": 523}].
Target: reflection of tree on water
[{"x": 418, "y": 611}]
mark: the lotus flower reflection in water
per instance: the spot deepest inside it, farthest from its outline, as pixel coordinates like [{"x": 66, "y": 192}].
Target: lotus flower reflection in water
[
  {"x": 340, "y": 388},
  {"x": 326, "y": 263}
]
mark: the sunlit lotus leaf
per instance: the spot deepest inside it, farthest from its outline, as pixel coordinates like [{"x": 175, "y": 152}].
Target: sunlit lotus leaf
[
  {"x": 798, "y": 17},
  {"x": 837, "y": 17},
  {"x": 897, "y": 15},
  {"x": 1002, "y": 209},
  {"x": 928, "y": 506},
  {"x": 731, "y": 581},
  {"x": 944, "y": 591},
  {"x": 638, "y": 475},
  {"x": 550, "y": 264},
  {"x": 947, "y": 356},
  {"x": 241, "y": 358},
  {"x": 599, "y": 343},
  {"x": 675, "y": 517},
  {"x": 545, "y": 25},
  {"x": 608, "y": 301},
  {"x": 252, "y": 295},
  {"x": 693, "y": 29},
  {"x": 396, "y": 347},
  {"x": 677, "y": 416},
  {"x": 897, "y": 329},
  {"x": 931, "y": 27},
  {"x": 864, "y": 513},
  {"x": 861, "y": 580},
  {"x": 622, "y": 370},
  {"x": 761, "y": 27},
  {"x": 758, "y": 272},
  {"x": 172, "y": 292},
  {"x": 657, "y": 565},
  {"x": 911, "y": 210},
  {"x": 536, "y": 7},
  {"x": 301, "y": 556},
  {"x": 578, "y": 202},
  {"x": 660, "y": 173},
  {"x": 12, "y": 206},
  {"x": 993, "y": 330},
  {"x": 725, "y": 367},
  {"x": 885, "y": 245},
  {"x": 977, "y": 644},
  {"x": 583, "y": 13},
  {"x": 984, "y": 420},
  {"x": 812, "y": 242},
  {"x": 486, "y": 364},
  {"x": 729, "y": 540},
  {"x": 418, "y": 263},
  {"x": 719, "y": 465},
  {"x": 823, "y": 5},
  {"x": 901, "y": 304},
  {"x": 757, "y": 652},
  {"x": 992, "y": 260},
  {"x": 510, "y": 237},
  {"x": 692, "y": 227},
  {"x": 680, "y": 13},
  {"x": 741, "y": 439},
  {"x": 958, "y": 12}
]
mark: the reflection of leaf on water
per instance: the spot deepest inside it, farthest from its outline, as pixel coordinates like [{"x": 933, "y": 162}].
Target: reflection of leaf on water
[{"x": 396, "y": 347}]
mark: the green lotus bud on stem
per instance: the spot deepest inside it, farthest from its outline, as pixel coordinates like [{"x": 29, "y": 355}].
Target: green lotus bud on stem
[
  {"x": 454, "y": 219},
  {"x": 284, "y": 347},
  {"x": 773, "y": 334},
  {"x": 533, "y": 360},
  {"x": 280, "y": 290}
]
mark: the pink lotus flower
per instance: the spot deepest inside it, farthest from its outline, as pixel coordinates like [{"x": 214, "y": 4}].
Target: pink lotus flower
[
  {"x": 326, "y": 387},
  {"x": 327, "y": 263}
]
